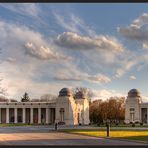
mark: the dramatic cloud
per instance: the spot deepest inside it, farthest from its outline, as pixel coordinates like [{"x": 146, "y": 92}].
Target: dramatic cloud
[
  {"x": 105, "y": 50},
  {"x": 132, "y": 77},
  {"x": 134, "y": 33},
  {"x": 20, "y": 71},
  {"x": 104, "y": 94},
  {"x": 138, "y": 30},
  {"x": 74, "y": 41},
  {"x": 141, "y": 20},
  {"x": 43, "y": 52},
  {"x": 84, "y": 77},
  {"x": 22, "y": 39}
]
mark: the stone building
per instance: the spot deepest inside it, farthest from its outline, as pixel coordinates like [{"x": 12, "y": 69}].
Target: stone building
[
  {"x": 65, "y": 110},
  {"x": 135, "y": 109}
]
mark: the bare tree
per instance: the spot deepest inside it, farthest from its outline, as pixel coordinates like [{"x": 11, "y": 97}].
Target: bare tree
[
  {"x": 112, "y": 109},
  {"x": 47, "y": 97},
  {"x": 3, "y": 99},
  {"x": 3, "y": 91},
  {"x": 87, "y": 92}
]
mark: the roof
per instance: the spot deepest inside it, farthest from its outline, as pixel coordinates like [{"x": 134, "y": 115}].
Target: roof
[
  {"x": 65, "y": 92},
  {"x": 134, "y": 93}
]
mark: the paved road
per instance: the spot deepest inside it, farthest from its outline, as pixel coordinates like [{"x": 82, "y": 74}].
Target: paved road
[{"x": 43, "y": 135}]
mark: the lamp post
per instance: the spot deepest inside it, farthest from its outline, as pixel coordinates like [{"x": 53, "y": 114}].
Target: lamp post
[
  {"x": 56, "y": 126},
  {"x": 108, "y": 128}
]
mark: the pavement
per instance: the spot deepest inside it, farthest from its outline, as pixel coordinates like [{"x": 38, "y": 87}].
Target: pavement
[{"x": 45, "y": 135}]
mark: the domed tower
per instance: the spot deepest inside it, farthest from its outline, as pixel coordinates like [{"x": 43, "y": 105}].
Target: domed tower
[
  {"x": 82, "y": 108},
  {"x": 65, "y": 107},
  {"x": 65, "y": 92},
  {"x": 132, "y": 106}
]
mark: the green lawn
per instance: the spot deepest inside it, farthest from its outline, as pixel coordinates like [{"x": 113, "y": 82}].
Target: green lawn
[{"x": 139, "y": 135}]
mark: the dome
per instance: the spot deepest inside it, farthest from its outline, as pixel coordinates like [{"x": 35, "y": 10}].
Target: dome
[
  {"x": 133, "y": 93},
  {"x": 79, "y": 95},
  {"x": 65, "y": 92}
]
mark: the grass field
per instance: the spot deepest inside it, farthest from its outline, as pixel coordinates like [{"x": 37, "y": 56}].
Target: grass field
[{"x": 139, "y": 135}]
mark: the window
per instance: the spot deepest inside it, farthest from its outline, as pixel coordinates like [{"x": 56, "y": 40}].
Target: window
[
  {"x": 132, "y": 109},
  {"x": 132, "y": 117}
]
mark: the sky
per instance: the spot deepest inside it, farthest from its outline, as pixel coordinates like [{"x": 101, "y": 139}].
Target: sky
[{"x": 45, "y": 47}]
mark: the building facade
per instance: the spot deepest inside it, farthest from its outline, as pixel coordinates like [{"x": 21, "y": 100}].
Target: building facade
[
  {"x": 65, "y": 110},
  {"x": 136, "y": 111}
]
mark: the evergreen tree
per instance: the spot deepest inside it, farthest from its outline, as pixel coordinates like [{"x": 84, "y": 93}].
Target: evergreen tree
[{"x": 25, "y": 97}]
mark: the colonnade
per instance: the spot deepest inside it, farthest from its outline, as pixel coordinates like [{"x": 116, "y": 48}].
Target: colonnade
[{"x": 47, "y": 114}]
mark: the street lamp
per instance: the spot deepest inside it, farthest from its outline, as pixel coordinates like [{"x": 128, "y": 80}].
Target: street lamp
[{"x": 108, "y": 127}]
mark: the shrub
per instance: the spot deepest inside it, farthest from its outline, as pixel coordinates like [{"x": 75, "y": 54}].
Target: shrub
[
  {"x": 133, "y": 124},
  {"x": 61, "y": 123},
  {"x": 124, "y": 123},
  {"x": 141, "y": 123},
  {"x": 98, "y": 124},
  {"x": 117, "y": 124}
]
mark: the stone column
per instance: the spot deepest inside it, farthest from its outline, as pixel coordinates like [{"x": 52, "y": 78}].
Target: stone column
[
  {"x": 31, "y": 115},
  {"x": 0, "y": 116},
  {"x": 39, "y": 115},
  {"x": 140, "y": 114},
  {"x": 24, "y": 115},
  {"x": 47, "y": 115},
  {"x": 15, "y": 115},
  {"x": 7, "y": 115}
]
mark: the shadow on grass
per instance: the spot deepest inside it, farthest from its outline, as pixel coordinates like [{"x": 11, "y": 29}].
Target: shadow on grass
[
  {"x": 141, "y": 138},
  {"x": 137, "y": 138}
]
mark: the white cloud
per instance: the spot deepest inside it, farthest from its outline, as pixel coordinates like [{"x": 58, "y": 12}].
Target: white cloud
[
  {"x": 107, "y": 50},
  {"x": 126, "y": 66},
  {"x": 141, "y": 20},
  {"x": 137, "y": 30},
  {"x": 18, "y": 78},
  {"x": 145, "y": 99},
  {"x": 104, "y": 94},
  {"x": 72, "y": 40},
  {"x": 84, "y": 77},
  {"x": 23, "y": 9},
  {"x": 100, "y": 78},
  {"x": 42, "y": 52},
  {"x": 21, "y": 39},
  {"x": 145, "y": 45},
  {"x": 70, "y": 72},
  {"x": 20, "y": 71},
  {"x": 134, "y": 33},
  {"x": 73, "y": 23},
  {"x": 132, "y": 77}
]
